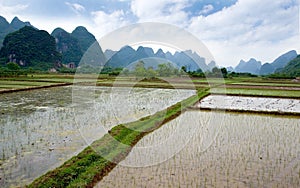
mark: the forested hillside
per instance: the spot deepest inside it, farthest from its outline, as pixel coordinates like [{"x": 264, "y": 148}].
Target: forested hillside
[{"x": 30, "y": 47}]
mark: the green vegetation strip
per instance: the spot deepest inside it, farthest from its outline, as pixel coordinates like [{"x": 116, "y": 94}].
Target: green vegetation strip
[{"x": 88, "y": 167}]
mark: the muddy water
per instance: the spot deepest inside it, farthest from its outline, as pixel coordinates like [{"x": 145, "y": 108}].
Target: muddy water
[
  {"x": 223, "y": 150},
  {"x": 250, "y": 103},
  {"x": 41, "y": 129}
]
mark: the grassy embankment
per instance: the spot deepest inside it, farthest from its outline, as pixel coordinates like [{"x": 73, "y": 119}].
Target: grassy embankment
[{"x": 88, "y": 167}]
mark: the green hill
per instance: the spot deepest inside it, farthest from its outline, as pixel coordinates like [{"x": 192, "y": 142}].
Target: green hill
[
  {"x": 6, "y": 28},
  {"x": 30, "y": 47},
  {"x": 68, "y": 46},
  {"x": 85, "y": 38},
  {"x": 292, "y": 68},
  {"x": 74, "y": 45}
]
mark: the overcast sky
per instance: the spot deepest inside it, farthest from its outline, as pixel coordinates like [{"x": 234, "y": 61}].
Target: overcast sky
[{"x": 231, "y": 29}]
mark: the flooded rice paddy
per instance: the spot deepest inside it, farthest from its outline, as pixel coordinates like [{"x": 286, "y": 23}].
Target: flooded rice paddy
[
  {"x": 264, "y": 104},
  {"x": 223, "y": 150},
  {"x": 41, "y": 129}
]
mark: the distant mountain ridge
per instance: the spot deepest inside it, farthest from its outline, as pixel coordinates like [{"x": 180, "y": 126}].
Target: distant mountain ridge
[
  {"x": 252, "y": 66},
  {"x": 284, "y": 59},
  {"x": 255, "y": 67},
  {"x": 16, "y": 23},
  {"x": 74, "y": 45},
  {"x": 6, "y": 27},
  {"x": 127, "y": 55}
]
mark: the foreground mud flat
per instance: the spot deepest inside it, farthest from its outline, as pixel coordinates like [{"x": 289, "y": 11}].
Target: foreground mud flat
[
  {"x": 256, "y": 104},
  {"x": 223, "y": 150}
]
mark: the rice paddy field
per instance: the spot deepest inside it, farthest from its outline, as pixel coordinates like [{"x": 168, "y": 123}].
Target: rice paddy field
[
  {"x": 258, "y": 92},
  {"x": 224, "y": 150},
  {"x": 251, "y": 104},
  {"x": 40, "y": 129},
  {"x": 45, "y": 132}
]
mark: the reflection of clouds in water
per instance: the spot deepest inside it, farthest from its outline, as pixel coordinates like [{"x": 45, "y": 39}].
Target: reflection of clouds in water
[
  {"x": 42, "y": 134},
  {"x": 251, "y": 103},
  {"x": 244, "y": 147},
  {"x": 129, "y": 104},
  {"x": 170, "y": 139},
  {"x": 25, "y": 102}
]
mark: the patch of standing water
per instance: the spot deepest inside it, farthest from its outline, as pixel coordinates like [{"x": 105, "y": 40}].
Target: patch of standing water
[
  {"x": 250, "y": 103},
  {"x": 248, "y": 151},
  {"x": 41, "y": 129}
]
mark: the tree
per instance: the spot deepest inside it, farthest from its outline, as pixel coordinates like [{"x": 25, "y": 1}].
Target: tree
[
  {"x": 151, "y": 73},
  {"x": 198, "y": 73},
  {"x": 125, "y": 72},
  {"x": 183, "y": 68},
  {"x": 165, "y": 69},
  {"x": 140, "y": 70},
  {"x": 224, "y": 72},
  {"x": 13, "y": 66},
  {"x": 176, "y": 72},
  {"x": 215, "y": 70}
]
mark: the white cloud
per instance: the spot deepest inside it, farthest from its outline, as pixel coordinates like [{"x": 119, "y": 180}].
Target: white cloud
[
  {"x": 68, "y": 23},
  {"x": 75, "y": 7},
  {"x": 166, "y": 11},
  {"x": 105, "y": 23},
  {"x": 207, "y": 9},
  {"x": 229, "y": 54},
  {"x": 250, "y": 28},
  {"x": 9, "y": 12}
]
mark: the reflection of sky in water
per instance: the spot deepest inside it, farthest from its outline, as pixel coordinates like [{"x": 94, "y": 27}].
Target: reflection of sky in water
[
  {"x": 246, "y": 151},
  {"x": 22, "y": 103},
  {"x": 251, "y": 103},
  {"x": 41, "y": 129}
]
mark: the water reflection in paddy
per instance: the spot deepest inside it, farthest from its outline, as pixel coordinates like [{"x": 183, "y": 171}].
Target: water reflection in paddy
[
  {"x": 223, "y": 150},
  {"x": 265, "y": 104},
  {"x": 41, "y": 129}
]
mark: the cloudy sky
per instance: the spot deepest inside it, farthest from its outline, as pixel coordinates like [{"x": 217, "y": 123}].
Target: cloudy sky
[{"x": 231, "y": 29}]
